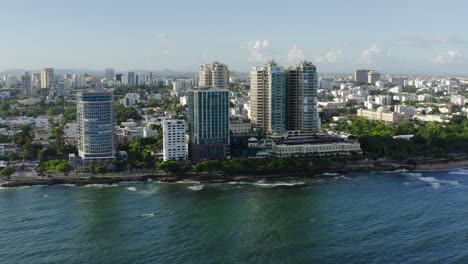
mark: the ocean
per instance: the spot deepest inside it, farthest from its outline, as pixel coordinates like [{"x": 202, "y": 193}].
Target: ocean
[{"x": 377, "y": 217}]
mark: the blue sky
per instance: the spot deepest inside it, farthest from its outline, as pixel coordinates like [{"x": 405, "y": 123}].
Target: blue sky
[{"x": 396, "y": 36}]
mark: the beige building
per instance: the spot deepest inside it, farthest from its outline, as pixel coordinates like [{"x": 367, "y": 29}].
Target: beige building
[
  {"x": 47, "y": 78},
  {"x": 268, "y": 98},
  {"x": 284, "y": 151},
  {"x": 214, "y": 75},
  {"x": 384, "y": 115},
  {"x": 239, "y": 127}
]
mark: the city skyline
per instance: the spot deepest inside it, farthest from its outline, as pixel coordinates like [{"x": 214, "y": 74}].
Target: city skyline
[{"x": 397, "y": 37}]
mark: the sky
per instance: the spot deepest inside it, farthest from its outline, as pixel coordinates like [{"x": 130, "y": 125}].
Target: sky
[{"x": 398, "y": 36}]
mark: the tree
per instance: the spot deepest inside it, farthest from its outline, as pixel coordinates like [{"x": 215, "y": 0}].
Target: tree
[
  {"x": 7, "y": 172},
  {"x": 63, "y": 167},
  {"x": 170, "y": 166},
  {"x": 101, "y": 169}
]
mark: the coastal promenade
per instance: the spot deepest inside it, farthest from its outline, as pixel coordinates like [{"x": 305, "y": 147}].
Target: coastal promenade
[{"x": 141, "y": 176}]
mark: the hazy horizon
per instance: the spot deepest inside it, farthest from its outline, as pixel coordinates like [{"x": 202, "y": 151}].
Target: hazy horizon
[{"x": 399, "y": 37}]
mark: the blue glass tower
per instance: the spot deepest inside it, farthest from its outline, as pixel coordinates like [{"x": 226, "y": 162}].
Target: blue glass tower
[{"x": 208, "y": 120}]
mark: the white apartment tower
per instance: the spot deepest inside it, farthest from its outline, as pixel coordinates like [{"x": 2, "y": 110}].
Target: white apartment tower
[
  {"x": 47, "y": 78},
  {"x": 214, "y": 75},
  {"x": 174, "y": 146},
  {"x": 268, "y": 98},
  {"x": 95, "y": 119},
  {"x": 109, "y": 75}
]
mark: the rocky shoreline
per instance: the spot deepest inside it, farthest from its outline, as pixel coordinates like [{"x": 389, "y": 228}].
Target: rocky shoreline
[{"x": 206, "y": 178}]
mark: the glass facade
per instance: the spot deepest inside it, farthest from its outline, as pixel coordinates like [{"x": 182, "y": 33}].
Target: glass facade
[
  {"x": 95, "y": 118},
  {"x": 208, "y": 120}
]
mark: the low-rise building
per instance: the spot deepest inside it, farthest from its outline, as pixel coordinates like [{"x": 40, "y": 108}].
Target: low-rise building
[
  {"x": 174, "y": 143},
  {"x": 384, "y": 115},
  {"x": 239, "y": 127},
  {"x": 285, "y": 151}
]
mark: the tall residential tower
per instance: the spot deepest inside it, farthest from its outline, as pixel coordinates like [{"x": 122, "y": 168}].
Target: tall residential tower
[
  {"x": 95, "y": 118},
  {"x": 47, "y": 78},
  {"x": 214, "y": 75},
  {"x": 268, "y": 98},
  {"x": 301, "y": 97}
]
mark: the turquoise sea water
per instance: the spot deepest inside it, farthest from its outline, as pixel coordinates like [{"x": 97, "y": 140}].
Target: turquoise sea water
[{"x": 397, "y": 217}]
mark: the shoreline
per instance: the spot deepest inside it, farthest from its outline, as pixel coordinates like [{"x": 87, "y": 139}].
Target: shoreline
[{"x": 213, "y": 178}]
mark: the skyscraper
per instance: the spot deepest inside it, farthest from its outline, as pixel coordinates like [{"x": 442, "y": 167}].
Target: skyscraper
[
  {"x": 95, "y": 118},
  {"x": 109, "y": 75},
  {"x": 174, "y": 147},
  {"x": 360, "y": 76},
  {"x": 208, "y": 120},
  {"x": 373, "y": 77},
  {"x": 301, "y": 97},
  {"x": 214, "y": 75},
  {"x": 268, "y": 98},
  {"x": 26, "y": 84},
  {"x": 131, "y": 79},
  {"x": 36, "y": 84},
  {"x": 47, "y": 78}
]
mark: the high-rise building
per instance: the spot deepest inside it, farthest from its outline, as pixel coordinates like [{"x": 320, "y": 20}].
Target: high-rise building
[
  {"x": 268, "y": 98},
  {"x": 208, "y": 122},
  {"x": 36, "y": 83},
  {"x": 149, "y": 78},
  {"x": 214, "y": 75},
  {"x": 131, "y": 79},
  {"x": 109, "y": 75},
  {"x": 360, "y": 76},
  {"x": 47, "y": 78},
  {"x": 301, "y": 97},
  {"x": 77, "y": 81},
  {"x": 26, "y": 84},
  {"x": 174, "y": 146},
  {"x": 95, "y": 119},
  {"x": 373, "y": 77}
]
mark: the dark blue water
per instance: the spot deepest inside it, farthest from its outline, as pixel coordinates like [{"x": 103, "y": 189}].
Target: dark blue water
[{"x": 360, "y": 218}]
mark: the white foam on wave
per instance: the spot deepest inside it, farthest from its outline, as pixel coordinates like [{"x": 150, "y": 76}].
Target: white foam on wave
[
  {"x": 330, "y": 174},
  {"x": 68, "y": 185},
  {"x": 435, "y": 183},
  {"x": 45, "y": 195},
  {"x": 147, "y": 215},
  {"x": 97, "y": 185},
  {"x": 196, "y": 187},
  {"x": 413, "y": 174},
  {"x": 188, "y": 182},
  {"x": 132, "y": 189},
  {"x": 460, "y": 172},
  {"x": 276, "y": 184},
  {"x": 148, "y": 193}
]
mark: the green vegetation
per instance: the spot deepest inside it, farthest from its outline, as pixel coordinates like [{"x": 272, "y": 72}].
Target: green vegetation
[
  {"x": 430, "y": 140},
  {"x": 100, "y": 170},
  {"x": 175, "y": 168},
  {"x": 140, "y": 151},
  {"x": 54, "y": 165},
  {"x": 7, "y": 172},
  {"x": 123, "y": 113}
]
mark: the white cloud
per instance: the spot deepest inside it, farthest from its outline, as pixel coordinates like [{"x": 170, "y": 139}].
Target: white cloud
[
  {"x": 448, "y": 57},
  {"x": 369, "y": 55},
  {"x": 333, "y": 56},
  {"x": 295, "y": 55},
  {"x": 257, "y": 49}
]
